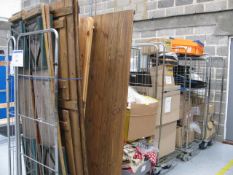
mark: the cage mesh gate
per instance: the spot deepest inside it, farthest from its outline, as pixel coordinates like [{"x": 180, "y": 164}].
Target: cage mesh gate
[{"x": 35, "y": 147}]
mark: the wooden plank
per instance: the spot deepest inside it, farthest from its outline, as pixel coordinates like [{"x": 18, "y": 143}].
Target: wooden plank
[
  {"x": 56, "y": 5},
  {"x": 68, "y": 141},
  {"x": 57, "y": 24},
  {"x": 31, "y": 13},
  {"x": 71, "y": 105},
  {"x": 15, "y": 17},
  {"x": 50, "y": 61},
  {"x": 63, "y": 12},
  {"x": 74, "y": 115},
  {"x": 79, "y": 89},
  {"x": 85, "y": 38},
  {"x": 107, "y": 92},
  {"x": 228, "y": 142},
  {"x": 63, "y": 60}
]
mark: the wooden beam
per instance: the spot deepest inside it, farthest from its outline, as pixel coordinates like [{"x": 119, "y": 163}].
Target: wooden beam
[
  {"x": 63, "y": 12},
  {"x": 107, "y": 92}
]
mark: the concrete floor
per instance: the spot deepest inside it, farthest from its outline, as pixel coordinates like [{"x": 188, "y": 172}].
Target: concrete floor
[{"x": 207, "y": 162}]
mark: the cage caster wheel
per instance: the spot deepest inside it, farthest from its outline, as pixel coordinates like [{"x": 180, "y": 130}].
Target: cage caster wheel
[
  {"x": 156, "y": 171},
  {"x": 210, "y": 143},
  {"x": 203, "y": 145},
  {"x": 167, "y": 166},
  {"x": 185, "y": 158}
]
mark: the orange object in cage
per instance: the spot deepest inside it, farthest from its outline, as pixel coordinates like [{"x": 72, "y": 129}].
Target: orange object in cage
[{"x": 193, "y": 48}]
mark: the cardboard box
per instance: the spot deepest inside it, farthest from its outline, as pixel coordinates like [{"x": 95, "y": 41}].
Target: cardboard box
[
  {"x": 168, "y": 76},
  {"x": 140, "y": 121},
  {"x": 181, "y": 137},
  {"x": 199, "y": 111},
  {"x": 210, "y": 131},
  {"x": 171, "y": 108},
  {"x": 185, "y": 107},
  {"x": 167, "y": 140},
  {"x": 171, "y": 103}
]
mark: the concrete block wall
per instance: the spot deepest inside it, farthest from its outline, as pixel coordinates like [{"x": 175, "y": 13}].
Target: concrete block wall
[
  {"x": 4, "y": 35},
  {"x": 215, "y": 45},
  {"x": 149, "y": 9}
]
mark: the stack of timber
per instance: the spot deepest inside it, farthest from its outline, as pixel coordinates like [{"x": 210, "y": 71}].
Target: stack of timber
[{"x": 93, "y": 71}]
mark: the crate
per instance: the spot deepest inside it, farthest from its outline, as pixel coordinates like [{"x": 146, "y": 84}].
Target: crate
[{"x": 194, "y": 48}]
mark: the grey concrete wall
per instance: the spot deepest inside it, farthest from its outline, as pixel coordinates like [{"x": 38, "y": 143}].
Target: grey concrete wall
[
  {"x": 211, "y": 29},
  {"x": 4, "y": 35},
  {"x": 146, "y": 9},
  {"x": 149, "y": 9}
]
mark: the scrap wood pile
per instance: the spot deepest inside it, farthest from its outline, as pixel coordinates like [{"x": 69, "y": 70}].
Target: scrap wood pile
[{"x": 93, "y": 71}]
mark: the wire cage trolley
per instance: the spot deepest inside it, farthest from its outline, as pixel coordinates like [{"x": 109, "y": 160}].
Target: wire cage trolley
[
  {"x": 147, "y": 77},
  {"x": 36, "y": 111},
  {"x": 196, "y": 75}
]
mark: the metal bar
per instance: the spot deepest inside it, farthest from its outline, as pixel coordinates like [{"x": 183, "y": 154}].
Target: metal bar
[{"x": 12, "y": 41}]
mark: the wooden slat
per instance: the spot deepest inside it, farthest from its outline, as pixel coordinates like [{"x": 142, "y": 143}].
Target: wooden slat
[
  {"x": 57, "y": 24},
  {"x": 16, "y": 16},
  {"x": 79, "y": 89},
  {"x": 31, "y": 13},
  {"x": 50, "y": 61},
  {"x": 68, "y": 141},
  {"x": 63, "y": 12},
  {"x": 107, "y": 92},
  {"x": 85, "y": 38},
  {"x": 63, "y": 60},
  {"x": 71, "y": 105},
  {"x": 73, "y": 85}
]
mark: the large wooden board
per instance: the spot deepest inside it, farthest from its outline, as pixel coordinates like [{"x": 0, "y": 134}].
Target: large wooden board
[{"x": 107, "y": 92}]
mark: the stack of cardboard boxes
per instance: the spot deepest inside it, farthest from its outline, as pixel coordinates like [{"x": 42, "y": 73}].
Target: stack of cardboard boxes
[{"x": 171, "y": 106}]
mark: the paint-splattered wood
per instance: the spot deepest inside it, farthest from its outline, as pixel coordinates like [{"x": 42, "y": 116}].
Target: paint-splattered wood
[
  {"x": 107, "y": 92},
  {"x": 85, "y": 38}
]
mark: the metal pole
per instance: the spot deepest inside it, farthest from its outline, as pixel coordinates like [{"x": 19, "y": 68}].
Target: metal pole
[{"x": 13, "y": 41}]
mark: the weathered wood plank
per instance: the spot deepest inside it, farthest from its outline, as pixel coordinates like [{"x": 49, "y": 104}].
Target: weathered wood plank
[
  {"x": 63, "y": 61},
  {"x": 85, "y": 38},
  {"x": 63, "y": 12},
  {"x": 75, "y": 6},
  {"x": 68, "y": 141},
  {"x": 50, "y": 61},
  {"x": 107, "y": 92},
  {"x": 57, "y": 24},
  {"x": 31, "y": 13},
  {"x": 72, "y": 59}
]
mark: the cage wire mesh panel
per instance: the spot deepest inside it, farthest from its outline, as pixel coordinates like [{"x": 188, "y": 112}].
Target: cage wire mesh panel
[
  {"x": 216, "y": 97},
  {"x": 36, "y": 103},
  {"x": 10, "y": 108},
  {"x": 147, "y": 77}
]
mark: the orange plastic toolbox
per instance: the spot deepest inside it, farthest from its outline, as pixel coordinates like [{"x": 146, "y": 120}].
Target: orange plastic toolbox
[{"x": 193, "y": 48}]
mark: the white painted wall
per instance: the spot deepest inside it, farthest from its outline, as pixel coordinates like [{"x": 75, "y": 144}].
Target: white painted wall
[{"x": 9, "y": 7}]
